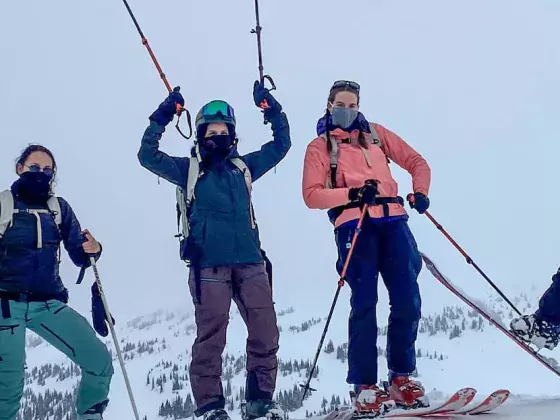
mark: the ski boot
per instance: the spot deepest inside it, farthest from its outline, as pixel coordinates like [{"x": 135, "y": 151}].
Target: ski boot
[
  {"x": 407, "y": 394},
  {"x": 532, "y": 330},
  {"x": 370, "y": 401},
  {"x": 217, "y": 414},
  {"x": 95, "y": 412},
  {"x": 261, "y": 408}
]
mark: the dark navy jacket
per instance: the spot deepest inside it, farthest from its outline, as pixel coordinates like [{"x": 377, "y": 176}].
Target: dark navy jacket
[
  {"x": 29, "y": 270},
  {"x": 220, "y": 221}
]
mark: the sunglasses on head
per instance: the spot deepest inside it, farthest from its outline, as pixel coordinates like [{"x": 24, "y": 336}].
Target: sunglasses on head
[
  {"x": 346, "y": 84},
  {"x": 36, "y": 168}
]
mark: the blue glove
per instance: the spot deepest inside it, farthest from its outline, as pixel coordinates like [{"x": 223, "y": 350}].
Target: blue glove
[
  {"x": 98, "y": 312},
  {"x": 419, "y": 202},
  {"x": 168, "y": 108},
  {"x": 260, "y": 94}
]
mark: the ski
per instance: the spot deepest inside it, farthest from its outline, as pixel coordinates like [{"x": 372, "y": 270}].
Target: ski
[
  {"x": 457, "y": 401},
  {"x": 491, "y": 402},
  {"x": 478, "y": 307}
]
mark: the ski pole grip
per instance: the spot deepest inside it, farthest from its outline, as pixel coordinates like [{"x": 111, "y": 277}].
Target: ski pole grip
[{"x": 410, "y": 199}]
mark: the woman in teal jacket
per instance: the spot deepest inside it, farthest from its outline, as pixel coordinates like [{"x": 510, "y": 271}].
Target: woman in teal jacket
[{"x": 223, "y": 246}]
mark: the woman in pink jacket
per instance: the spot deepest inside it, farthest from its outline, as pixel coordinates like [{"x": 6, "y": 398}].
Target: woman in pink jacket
[{"x": 347, "y": 167}]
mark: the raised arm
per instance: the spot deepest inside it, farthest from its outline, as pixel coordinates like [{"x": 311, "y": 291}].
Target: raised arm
[{"x": 173, "y": 169}]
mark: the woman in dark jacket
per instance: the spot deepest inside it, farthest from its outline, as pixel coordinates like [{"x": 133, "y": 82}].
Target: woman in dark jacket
[
  {"x": 223, "y": 246},
  {"x": 33, "y": 223}
]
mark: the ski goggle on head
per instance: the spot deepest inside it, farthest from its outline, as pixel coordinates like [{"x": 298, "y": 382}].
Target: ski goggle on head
[
  {"x": 346, "y": 85},
  {"x": 216, "y": 111}
]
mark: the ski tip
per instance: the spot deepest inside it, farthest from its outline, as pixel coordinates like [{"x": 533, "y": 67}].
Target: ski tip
[
  {"x": 501, "y": 394},
  {"x": 468, "y": 393}
]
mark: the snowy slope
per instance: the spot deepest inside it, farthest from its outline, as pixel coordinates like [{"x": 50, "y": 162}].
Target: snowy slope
[{"x": 456, "y": 348}]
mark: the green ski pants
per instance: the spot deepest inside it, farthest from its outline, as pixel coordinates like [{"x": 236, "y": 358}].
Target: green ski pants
[{"x": 64, "y": 329}]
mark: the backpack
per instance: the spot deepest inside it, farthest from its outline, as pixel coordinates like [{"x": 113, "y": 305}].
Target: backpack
[
  {"x": 330, "y": 183},
  {"x": 374, "y": 139},
  {"x": 186, "y": 196},
  {"x": 7, "y": 212}
]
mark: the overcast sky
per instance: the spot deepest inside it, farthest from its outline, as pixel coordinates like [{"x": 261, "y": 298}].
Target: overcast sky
[{"x": 472, "y": 85}]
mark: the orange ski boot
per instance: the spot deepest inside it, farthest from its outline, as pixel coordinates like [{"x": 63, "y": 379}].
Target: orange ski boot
[
  {"x": 371, "y": 401},
  {"x": 407, "y": 393}
]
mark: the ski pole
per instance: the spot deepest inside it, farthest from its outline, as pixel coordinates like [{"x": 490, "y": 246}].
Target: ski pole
[
  {"x": 257, "y": 30},
  {"x": 467, "y": 257},
  {"x": 114, "y": 335},
  {"x": 180, "y": 109},
  {"x": 341, "y": 281}
]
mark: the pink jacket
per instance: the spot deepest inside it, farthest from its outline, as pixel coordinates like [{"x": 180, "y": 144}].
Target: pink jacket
[{"x": 355, "y": 166}]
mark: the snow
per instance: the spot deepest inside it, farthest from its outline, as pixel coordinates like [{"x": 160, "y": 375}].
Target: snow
[
  {"x": 485, "y": 360},
  {"x": 429, "y": 97}
]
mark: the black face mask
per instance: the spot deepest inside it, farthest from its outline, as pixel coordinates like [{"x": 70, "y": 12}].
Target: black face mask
[
  {"x": 33, "y": 187},
  {"x": 218, "y": 146}
]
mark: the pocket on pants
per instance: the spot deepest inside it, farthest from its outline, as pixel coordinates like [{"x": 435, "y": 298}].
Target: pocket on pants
[
  {"x": 6, "y": 331},
  {"x": 209, "y": 279},
  {"x": 253, "y": 287}
]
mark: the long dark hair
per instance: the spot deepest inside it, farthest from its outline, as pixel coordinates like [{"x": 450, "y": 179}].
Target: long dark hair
[
  {"x": 32, "y": 148},
  {"x": 332, "y": 95}
]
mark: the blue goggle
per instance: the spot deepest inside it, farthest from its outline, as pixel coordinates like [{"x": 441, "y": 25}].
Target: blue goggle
[{"x": 216, "y": 111}]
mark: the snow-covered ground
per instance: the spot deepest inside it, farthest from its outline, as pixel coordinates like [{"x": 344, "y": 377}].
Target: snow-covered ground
[{"x": 480, "y": 357}]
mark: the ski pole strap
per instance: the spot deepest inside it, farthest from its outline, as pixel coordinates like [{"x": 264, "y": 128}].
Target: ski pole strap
[
  {"x": 189, "y": 122},
  {"x": 81, "y": 275}
]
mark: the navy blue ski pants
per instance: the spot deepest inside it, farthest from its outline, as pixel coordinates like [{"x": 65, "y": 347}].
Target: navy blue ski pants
[
  {"x": 549, "y": 304},
  {"x": 388, "y": 248}
]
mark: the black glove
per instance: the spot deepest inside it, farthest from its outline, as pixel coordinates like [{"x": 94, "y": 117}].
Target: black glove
[
  {"x": 165, "y": 112},
  {"x": 419, "y": 202},
  {"x": 262, "y": 94},
  {"x": 365, "y": 194},
  {"x": 98, "y": 312}
]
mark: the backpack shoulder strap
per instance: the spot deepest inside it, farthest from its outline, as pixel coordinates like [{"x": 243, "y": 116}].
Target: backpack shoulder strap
[
  {"x": 192, "y": 178},
  {"x": 185, "y": 197},
  {"x": 374, "y": 136},
  {"x": 242, "y": 166},
  {"x": 6, "y": 210},
  {"x": 377, "y": 140},
  {"x": 54, "y": 207},
  {"x": 333, "y": 160}
]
